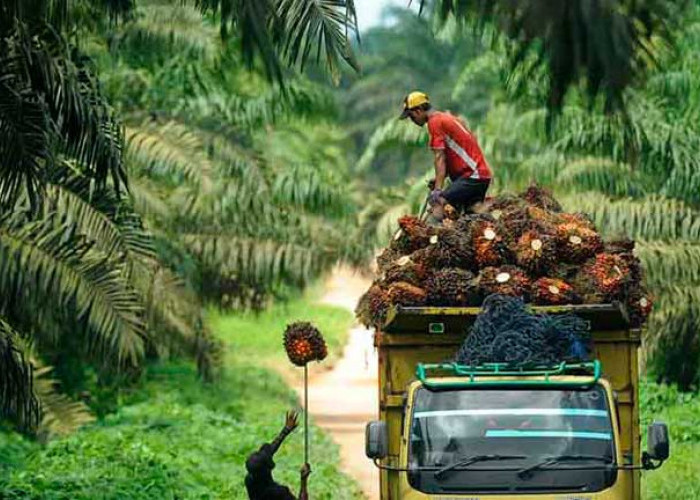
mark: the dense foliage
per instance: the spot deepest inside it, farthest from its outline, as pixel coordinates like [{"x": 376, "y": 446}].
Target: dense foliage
[{"x": 149, "y": 164}]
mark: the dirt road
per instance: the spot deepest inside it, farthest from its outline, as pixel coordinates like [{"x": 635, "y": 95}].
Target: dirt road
[{"x": 344, "y": 399}]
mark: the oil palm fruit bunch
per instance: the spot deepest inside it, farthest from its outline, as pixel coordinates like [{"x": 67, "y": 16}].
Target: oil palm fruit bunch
[
  {"x": 504, "y": 280},
  {"x": 415, "y": 233},
  {"x": 585, "y": 284},
  {"x": 373, "y": 306},
  {"x": 609, "y": 272},
  {"x": 387, "y": 258},
  {"x": 577, "y": 218},
  {"x": 304, "y": 343},
  {"x": 542, "y": 198},
  {"x": 406, "y": 294},
  {"x": 490, "y": 249},
  {"x": 503, "y": 205},
  {"x": 535, "y": 252},
  {"x": 447, "y": 248},
  {"x": 543, "y": 216},
  {"x": 405, "y": 269},
  {"x": 553, "y": 291},
  {"x": 452, "y": 287},
  {"x": 576, "y": 243},
  {"x": 639, "y": 306}
]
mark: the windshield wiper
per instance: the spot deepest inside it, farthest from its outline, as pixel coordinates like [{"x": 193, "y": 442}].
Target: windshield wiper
[
  {"x": 527, "y": 471},
  {"x": 472, "y": 460}
]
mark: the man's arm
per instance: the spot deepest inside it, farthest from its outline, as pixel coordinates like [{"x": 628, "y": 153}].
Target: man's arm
[
  {"x": 290, "y": 424},
  {"x": 440, "y": 168}
]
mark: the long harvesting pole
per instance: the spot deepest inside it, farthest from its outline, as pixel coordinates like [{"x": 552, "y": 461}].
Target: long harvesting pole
[{"x": 306, "y": 414}]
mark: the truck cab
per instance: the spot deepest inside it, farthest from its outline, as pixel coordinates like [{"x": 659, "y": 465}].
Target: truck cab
[{"x": 569, "y": 431}]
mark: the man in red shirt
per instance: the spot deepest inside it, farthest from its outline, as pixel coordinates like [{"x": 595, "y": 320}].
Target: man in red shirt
[{"x": 457, "y": 154}]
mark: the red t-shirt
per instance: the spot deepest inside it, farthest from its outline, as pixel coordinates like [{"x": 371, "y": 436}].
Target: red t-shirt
[{"x": 462, "y": 152}]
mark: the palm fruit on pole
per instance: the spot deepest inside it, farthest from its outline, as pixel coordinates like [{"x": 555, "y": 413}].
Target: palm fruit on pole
[
  {"x": 553, "y": 291},
  {"x": 304, "y": 343},
  {"x": 452, "y": 287},
  {"x": 504, "y": 280}
]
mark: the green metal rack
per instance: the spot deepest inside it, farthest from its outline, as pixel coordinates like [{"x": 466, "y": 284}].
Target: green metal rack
[{"x": 482, "y": 376}]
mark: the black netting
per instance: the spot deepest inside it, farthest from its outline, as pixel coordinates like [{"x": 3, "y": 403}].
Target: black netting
[{"x": 506, "y": 332}]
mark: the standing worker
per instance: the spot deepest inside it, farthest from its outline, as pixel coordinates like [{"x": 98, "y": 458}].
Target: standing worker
[{"x": 457, "y": 154}]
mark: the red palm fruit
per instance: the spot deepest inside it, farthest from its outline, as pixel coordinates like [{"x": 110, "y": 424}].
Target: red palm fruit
[
  {"x": 405, "y": 294},
  {"x": 447, "y": 248},
  {"x": 542, "y": 198},
  {"x": 304, "y": 343},
  {"x": 373, "y": 306},
  {"x": 489, "y": 247},
  {"x": 610, "y": 274},
  {"x": 577, "y": 218},
  {"x": 535, "y": 252},
  {"x": 552, "y": 291},
  {"x": 416, "y": 231},
  {"x": 502, "y": 206},
  {"x": 505, "y": 280},
  {"x": 387, "y": 258},
  {"x": 405, "y": 269},
  {"x": 639, "y": 306},
  {"x": 576, "y": 243},
  {"x": 452, "y": 287}
]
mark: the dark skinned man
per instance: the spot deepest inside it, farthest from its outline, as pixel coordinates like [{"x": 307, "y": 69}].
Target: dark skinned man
[
  {"x": 259, "y": 481},
  {"x": 457, "y": 155}
]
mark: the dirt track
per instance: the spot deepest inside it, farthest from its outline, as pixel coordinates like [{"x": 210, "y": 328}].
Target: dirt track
[{"x": 344, "y": 399}]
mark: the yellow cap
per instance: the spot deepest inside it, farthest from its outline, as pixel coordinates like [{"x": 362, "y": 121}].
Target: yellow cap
[{"x": 413, "y": 100}]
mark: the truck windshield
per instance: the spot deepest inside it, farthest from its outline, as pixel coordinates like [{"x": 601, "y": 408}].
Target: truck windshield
[{"x": 521, "y": 428}]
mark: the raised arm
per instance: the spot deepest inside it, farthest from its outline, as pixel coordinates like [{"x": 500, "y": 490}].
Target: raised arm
[{"x": 290, "y": 423}]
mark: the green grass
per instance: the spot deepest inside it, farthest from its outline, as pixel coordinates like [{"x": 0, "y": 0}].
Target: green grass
[
  {"x": 679, "y": 477},
  {"x": 176, "y": 438}
]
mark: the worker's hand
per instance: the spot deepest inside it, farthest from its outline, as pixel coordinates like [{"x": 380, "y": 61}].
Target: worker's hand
[
  {"x": 305, "y": 471},
  {"x": 431, "y": 184},
  {"x": 291, "y": 421},
  {"x": 435, "y": 196}
]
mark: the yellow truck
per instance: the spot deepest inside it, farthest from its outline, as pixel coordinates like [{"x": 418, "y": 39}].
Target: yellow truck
[{"x": 492, "y": 432}]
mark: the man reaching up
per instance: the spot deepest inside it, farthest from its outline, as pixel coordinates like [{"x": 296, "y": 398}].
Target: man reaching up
[
  {"x": 259, "y": 481},
  {"x": 457, "y": 155}
]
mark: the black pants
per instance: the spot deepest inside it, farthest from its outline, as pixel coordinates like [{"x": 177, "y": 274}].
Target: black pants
[{"x": 464, "y": 193}]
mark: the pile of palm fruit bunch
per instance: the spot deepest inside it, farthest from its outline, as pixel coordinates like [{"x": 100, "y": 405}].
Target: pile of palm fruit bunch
[{"x": 522, "y": 246}]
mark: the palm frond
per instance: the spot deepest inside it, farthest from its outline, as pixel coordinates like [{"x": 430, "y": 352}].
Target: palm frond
[
  {"x": 60, "y": 415},
  {"x": 651, "y": 218},
  {"x": 392, "y": 132},
  {"x": 670, "y": 264},
  {"x": 319, "y": 26},
  {"x": 45, "y": 262},
  {"x": 18, "y": 401}
]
